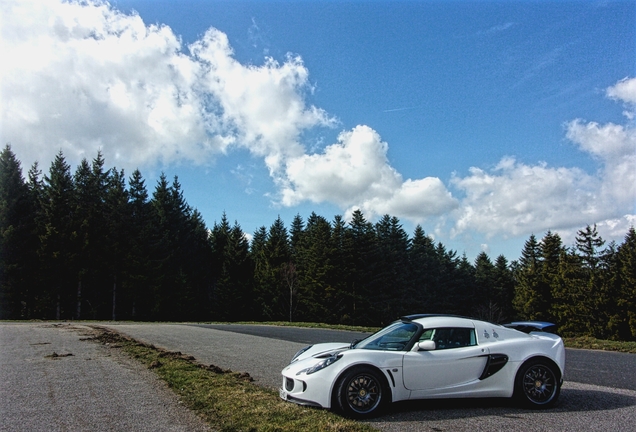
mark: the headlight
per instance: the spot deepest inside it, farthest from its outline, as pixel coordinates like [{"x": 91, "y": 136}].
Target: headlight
[
  {"x": 300, "y": 351},
  {"x": 323, "y": 364}
]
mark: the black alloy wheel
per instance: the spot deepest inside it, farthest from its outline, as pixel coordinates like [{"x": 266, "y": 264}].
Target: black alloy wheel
[
  {"x": 361, "y": 392},
  {"x": 537, "y": 384}
]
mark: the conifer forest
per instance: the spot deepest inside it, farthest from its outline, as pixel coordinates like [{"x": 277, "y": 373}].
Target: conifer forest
[{"x": 96, "y": 244}]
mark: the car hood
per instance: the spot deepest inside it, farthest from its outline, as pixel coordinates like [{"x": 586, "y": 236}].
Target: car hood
[{"x": 323, "y": 350}]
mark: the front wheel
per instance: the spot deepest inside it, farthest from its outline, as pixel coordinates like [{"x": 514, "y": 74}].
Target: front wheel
[
  {"x": 361, "y": 393},
  {"x": 537, "y": 384}
]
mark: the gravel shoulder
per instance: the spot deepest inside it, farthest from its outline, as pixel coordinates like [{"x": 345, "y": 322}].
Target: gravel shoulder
[{"x": 53, "y": 379}]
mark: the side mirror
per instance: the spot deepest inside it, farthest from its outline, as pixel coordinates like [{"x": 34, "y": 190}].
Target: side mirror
[{"x": 427, "y": 345}]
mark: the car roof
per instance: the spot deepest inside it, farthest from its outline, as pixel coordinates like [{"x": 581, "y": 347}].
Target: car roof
[{"x": 432, "y": 320}]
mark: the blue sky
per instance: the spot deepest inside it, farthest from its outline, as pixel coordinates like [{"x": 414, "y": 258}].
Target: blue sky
[{"x": 484, "y": 122}]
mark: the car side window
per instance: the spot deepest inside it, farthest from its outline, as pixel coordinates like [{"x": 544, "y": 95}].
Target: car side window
[
  {"x": 427, "y": 335},
  {"x": 393, "y": 338},
  {"x": 447, "y": 338}
]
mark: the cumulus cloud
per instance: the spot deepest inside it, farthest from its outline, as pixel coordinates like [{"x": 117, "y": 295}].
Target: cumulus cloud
[
  {"x": 355, "y": 173},
  {"x": 79, "y": 78},
  {"x": 515, "y": 198},
  {"x": 615, "y": 147},
  {"x": 82, "y": 76},
  {"x": 262, "y": 107},
  {"x": 624, "y": 90}
]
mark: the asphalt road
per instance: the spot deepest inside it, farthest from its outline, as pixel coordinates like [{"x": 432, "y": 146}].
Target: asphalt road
[
  {"x": 52, "y": 378},
  {"x": 581, "y": 407},
  {"x": 99, "y": 389},
  {"x": 602, "y": 368}
]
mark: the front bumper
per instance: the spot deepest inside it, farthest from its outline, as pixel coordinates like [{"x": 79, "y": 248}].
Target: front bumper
[
  {"x": 289, "y": 398},
  {"x": 310, "y": 390}
]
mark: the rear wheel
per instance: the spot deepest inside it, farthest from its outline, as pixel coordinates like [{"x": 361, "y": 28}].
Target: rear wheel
[
  {"x": 538, "y": 384},
  {"x": 361, "y": 392}
]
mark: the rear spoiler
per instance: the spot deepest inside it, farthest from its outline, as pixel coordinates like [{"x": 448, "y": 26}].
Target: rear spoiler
[{"x": 532, "y": 326}]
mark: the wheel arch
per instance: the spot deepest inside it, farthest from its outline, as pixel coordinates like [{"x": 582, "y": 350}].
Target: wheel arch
[
  {"x": 539, "y": 397},
  {"x": 540, "y": 358},
  {"x": 343, "y": 372}
]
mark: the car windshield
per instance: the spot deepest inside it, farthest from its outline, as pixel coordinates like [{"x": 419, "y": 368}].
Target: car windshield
[{"x": 392, "y": 338}]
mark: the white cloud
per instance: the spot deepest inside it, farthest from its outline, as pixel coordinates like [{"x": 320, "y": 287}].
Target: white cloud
[
  {"x": 624, "y": 90},
  {"x": 82, "y": 76},
  {"x": 517, "y": 199},
  {"x": 355, "y": 173},
  {"x": 262, "y": 107},
  {"x": 85, "y": 77},
  {"x": 615, "y": 147}
]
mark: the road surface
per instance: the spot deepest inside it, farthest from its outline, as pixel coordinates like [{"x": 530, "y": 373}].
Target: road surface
[
  {"x": 99, "y": 389},
  {"x": 581, "y": 407},
  {"x": 52, "y": 380}
]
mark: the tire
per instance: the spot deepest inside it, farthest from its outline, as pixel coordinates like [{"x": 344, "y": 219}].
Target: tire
[
  {"x": 538, "y": 384},
  {"x": 362, "y": 392}
]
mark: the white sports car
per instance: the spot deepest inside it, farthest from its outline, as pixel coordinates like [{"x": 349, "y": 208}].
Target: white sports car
[{"x": 426, "y": 357}]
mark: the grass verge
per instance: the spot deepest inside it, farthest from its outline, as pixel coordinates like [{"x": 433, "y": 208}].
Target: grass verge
[
  {"x": 228, "y": 401},
  {"x": 587, "y": 342},
  {"x": 310, "y": 325}
]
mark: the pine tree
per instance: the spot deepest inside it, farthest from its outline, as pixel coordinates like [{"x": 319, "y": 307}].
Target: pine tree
[
  {"x": 117, "y": 243},
  {"x": 531, "y": 300},
  {"x": 590, "y": 292},
  {"x": 171, "y": 215},
  {"x": 393, "y": 279},
  {"x": 486, "y": 305},
  {"x": 614, "y": 321},
  {"x": 588, "y": 243},
  {"x": 16, "y": 219},
  {"x": 195, "y": 266},
  {"x": 35, "y": 296},
  {"x": 363, "y": 271},
  {"x": 627, "y": 296},
  {"x": 59, "y": 239},
  {"x": 464, "y": 281},
  {"x": 317, "y": 295},
  {"x": 342, "y": 282},
  {"x": 452, "y": 281},
  {"x": 423, "y": 268},
  {"x": 271, "y": 300},
  {"x": 138, "y": 263},
  {"x": 295, "y": 235},
  {"x": 90, "y": 182},
  {"x": 552, "y": 250},
  {"x": 504, "y": 288},
  {"x": 233, "y": 272}
]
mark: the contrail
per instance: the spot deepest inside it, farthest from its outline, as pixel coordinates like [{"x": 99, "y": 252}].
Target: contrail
[{"x": 399, "y": 109}]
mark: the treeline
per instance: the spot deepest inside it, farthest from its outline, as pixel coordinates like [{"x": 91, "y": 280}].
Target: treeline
[
  {"x": 95, "y": 245},
  {"x": 589, "y": 289}
]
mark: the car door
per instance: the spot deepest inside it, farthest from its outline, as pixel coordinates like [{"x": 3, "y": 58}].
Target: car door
[{"x": 456, "y": 360}]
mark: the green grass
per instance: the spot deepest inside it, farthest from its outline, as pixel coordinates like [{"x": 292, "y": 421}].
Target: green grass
[
  {"x": 228, "y": 401},
  {"x": 587, "y": 342},
  {"x": 360, "y": 329}
]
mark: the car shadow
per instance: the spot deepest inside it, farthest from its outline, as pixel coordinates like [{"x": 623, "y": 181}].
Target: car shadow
[{"x": 570, "y": 401}]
